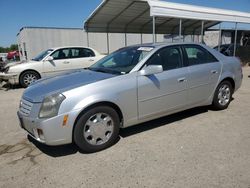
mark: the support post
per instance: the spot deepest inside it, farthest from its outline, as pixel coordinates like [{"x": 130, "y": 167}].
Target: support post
[
  {"x": 153, "y": 29},
  {"x": 141, "y": 39},
  {"x": 108, "y": 42},
  {"x": 220, "y": 35},
  {"x": 87, "y": 38},
  {"x": 202, "y": 31},
  {"x": 126, "y": 44},
  {"x": 235, "y": 38},
  {"x": 180, "y": 29}
]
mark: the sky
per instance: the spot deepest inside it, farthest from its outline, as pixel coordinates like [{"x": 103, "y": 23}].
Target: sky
[{"x": 16, "y": 14}]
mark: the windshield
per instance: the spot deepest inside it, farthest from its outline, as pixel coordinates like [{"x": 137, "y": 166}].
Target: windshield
[
  {"x": 121, "y": 61},
  {"x": 42, "y": 55}
]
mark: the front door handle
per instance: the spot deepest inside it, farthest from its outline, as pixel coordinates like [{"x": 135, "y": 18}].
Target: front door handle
[
  {"x": 182, "y": 80},
  {"x": 66, "y": 62},
  {"x": 91, "y": 60},
  {"x": 214, "y": 71}
]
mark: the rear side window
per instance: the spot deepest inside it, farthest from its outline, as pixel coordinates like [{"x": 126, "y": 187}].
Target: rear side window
[
  {"x": 197, "y": 55},
  {"x": 81, "y": 52},
  {"x": 169, "y": 58}
]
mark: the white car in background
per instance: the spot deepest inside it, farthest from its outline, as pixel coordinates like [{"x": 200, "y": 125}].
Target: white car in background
[{"x": 51, "y": 62}]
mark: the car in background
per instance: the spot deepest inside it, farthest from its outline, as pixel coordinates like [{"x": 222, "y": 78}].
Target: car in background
[
  {"x": 51, "y": 62},
  {"x": 132, "y": 85},
  {"x": 227, "y": 49},
  {"x": 13, "y": 55}
]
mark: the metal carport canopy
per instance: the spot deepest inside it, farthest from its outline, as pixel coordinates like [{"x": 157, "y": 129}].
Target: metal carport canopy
[{"x": 135, "y": 16}]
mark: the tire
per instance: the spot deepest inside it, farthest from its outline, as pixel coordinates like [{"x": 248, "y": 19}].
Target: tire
[
  {"x": 223, "y": 95},
  {"x": 28, "y": 77},
  {"x": 96, "y": 129}
]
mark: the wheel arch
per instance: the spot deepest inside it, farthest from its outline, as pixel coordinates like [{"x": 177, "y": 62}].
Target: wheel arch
[
  {"x": 102, "y": 103},
  {"x": 27, "y": 71},
  {"x": 231, "y": 80}
]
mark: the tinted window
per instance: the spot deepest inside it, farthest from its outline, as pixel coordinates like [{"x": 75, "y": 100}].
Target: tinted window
[
  {"x": 81, "y": 52},
  {"x": 61, "y": 54},
  {"x": 169, "y": 58},
  {"x": 198, "y": 55}
]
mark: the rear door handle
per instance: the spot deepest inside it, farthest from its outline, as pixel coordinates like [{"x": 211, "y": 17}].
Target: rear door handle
[
  {"x": 182, "y": 80},
  {"x": 66, "y": 62},
  {"x": 214, "y": 71},
  {"x": 91, "y": 60}
]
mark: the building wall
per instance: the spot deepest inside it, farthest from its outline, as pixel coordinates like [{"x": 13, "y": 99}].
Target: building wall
[
  {"x": 36, "y": 40},
  {"x": 33, "y": 41}
]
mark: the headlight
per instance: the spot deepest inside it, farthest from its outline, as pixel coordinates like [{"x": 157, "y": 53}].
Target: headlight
[
  {"x": 51, "y": 105},
  {"x": 6, "y": 70}
]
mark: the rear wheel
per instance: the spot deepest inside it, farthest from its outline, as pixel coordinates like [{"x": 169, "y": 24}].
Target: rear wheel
[
  {"x": 223, "y": 95},
  {"x": 28, "y": 77},
  {"x": 97, "y": 129}
]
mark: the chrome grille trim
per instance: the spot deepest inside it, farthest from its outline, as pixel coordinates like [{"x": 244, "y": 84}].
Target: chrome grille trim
[{"x": 25, "y": 107}]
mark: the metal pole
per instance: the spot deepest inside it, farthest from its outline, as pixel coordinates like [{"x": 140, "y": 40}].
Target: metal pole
[
  {"x": 235, "y": 38},
  {"x": 180, "y": 29},
  {"x": 126, "y": 39},
  {"x": 153, "y": 29},
  {"x": 220, "y": 33},
  {"x": 87, "y": 38},
  {"x": 202, "y": 31},
  {"x": 108, "y": 42}
]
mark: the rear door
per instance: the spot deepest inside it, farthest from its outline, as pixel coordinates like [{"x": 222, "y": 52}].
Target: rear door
[
  {"x": 166, "y": 91},
  {"x": 82, "y": 58},
  {"x": 204, "y": 71}
]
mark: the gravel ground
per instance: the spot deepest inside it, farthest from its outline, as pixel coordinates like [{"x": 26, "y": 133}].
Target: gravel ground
[{"x": 195, "y": 148}]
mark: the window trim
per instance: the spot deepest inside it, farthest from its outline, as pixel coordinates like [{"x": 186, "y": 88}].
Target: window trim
[{"x": 185, "y": 55}]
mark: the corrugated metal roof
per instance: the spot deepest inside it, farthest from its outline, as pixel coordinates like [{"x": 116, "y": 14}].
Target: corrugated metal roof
[{"x": 135, "y": 16}]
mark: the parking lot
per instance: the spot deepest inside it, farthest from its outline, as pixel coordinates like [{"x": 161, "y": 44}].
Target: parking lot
[{"x": 196, "y": 148}]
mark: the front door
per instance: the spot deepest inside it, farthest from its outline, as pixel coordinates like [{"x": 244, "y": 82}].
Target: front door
[
  {"x": 61, "y": 63},
  {"x": 164, "y": 92}
]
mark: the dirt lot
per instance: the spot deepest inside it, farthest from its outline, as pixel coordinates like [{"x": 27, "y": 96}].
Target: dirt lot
[{"x": 195, "y": 148}]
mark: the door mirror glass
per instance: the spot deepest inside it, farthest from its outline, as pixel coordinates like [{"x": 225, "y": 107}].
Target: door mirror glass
[
  {"x": 151, "y": 69},
  {"x": 50, "y": 58}
]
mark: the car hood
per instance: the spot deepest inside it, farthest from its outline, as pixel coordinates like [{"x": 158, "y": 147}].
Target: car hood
[
  {"x": 16, "y": 63},
  {"x": 59, "y": 84}
]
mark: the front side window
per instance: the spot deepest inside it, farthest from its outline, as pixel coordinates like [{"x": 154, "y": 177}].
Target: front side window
[
  {"x": 169, "y": 58},
  {"x": 122, "y": 61},
  {"x": 197, "y": 55},
  {"x": 61, "y": 54}
]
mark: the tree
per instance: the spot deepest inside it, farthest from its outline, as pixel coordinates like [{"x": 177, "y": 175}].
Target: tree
[{"x": 13, "y": 47}]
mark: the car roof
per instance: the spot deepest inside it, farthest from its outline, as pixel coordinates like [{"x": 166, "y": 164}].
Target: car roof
[
  {"x": 60, "y": 47},
  {"x": 162, "y": 44}
]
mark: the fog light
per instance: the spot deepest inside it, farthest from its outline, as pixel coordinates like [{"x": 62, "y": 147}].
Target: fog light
[
  {"x": 40, "y": 134},
  {"x": 65, "y": 120}
]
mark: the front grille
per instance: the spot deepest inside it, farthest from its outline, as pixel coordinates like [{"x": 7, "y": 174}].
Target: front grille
[{"x": 25, "y": 107}]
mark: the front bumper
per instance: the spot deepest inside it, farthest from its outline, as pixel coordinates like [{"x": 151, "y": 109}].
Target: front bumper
[
  {"x": 49, "y": 131},
  {"x": 11, "y": 78}
]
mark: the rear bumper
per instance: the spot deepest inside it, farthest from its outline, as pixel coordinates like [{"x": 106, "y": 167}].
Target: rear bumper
[{"x": 11, "y": 78}]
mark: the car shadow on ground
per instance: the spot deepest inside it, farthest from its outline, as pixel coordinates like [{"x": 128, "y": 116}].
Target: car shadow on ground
[
  {"x": 164, "y": 121},
  {"x": 6, "y": 86},
  {"x": 59, "y": 151}
]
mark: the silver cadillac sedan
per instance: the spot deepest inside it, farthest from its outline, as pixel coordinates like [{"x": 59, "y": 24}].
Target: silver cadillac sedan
[{"x": 132, "y": 85}]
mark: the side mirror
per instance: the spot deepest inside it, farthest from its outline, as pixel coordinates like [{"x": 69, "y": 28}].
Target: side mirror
[
  {"x": 151, "y": 69},
  {"x": 49, "y": 58}
]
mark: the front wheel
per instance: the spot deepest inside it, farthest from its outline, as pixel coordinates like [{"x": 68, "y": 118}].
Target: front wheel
[
  {"x": 223, "y": 95},
  {"x": 28, "y": 77},
  {"x": 97, "y": 129}
]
